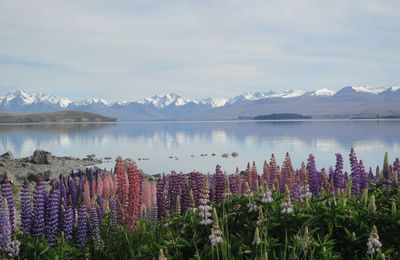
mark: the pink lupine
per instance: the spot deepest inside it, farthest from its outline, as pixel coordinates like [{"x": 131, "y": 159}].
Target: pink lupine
[
  {"x": 134, "y": 197},
  {"x": 122, "y": 190}
]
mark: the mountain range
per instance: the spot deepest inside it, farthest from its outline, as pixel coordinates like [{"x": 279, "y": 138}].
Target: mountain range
[{"x": 348, "y": 102}]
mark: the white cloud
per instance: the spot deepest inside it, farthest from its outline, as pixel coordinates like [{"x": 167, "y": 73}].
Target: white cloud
[{"x": 138, "y": 48}]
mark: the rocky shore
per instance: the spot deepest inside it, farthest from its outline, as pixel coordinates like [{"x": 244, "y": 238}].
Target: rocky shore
[{"x": 42, "y": 162}]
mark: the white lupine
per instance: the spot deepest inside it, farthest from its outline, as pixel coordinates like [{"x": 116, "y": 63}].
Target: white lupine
[
  {"x": 374, "y": 245},
  {"x": 216, "y": 233}
]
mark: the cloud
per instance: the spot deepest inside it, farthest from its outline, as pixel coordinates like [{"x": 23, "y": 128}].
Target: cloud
[{"x": 130, "y": 49}]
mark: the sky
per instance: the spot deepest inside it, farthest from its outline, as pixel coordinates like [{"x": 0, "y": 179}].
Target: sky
[{"x": 126, "y": 50}]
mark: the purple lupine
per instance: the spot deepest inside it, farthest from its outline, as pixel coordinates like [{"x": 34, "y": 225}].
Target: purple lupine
[
  {"x": 73, "y": 191},
  {"x": 355, "y": 172},
  {"x": 95, "y": 227},
  {"x": 196, "y": 183},
  {"x": 100, "y": 209},
  {"x": 113, "y": 213},
  {"x": 26, "y": 208},
  {"x": 5, "y": 228},
  {"x": 39, "y": 207},
  {"x": 161, "y": 201},
  {"x": 68, "y": 222},
  {"x": 219, "y": 185},
  {"x": 6, "y": 192},
  {"x": 363, "y": 178},
  {"x": 338, "y": 177},
  {"x": 274, "y": 171},
  {"x": 185, "y": 196},
  {"x": 175, "y": 182},
  {"x": 82, "y": 225},
  {"x": 52, "y": 219},
  {"x": 396, "y": 167},
  {"x": 313, "y": 175}
]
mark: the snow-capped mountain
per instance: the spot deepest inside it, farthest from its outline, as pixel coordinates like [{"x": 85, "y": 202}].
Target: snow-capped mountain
[{"x": 346, "y": 102}]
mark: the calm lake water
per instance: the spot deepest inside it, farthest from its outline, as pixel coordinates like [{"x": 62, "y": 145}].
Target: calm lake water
[{"x": 186, "y": 141}]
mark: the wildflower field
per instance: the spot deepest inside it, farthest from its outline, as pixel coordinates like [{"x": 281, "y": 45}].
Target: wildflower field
[{"x": 272, "y": 213}]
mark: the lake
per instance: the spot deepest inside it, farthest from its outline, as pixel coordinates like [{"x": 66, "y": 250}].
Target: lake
[{"x": 186, "y": 141}]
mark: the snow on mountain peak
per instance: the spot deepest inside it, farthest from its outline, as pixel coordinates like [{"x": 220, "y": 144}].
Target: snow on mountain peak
[
  {"x": 367, "y": 89},
  {"x": 292, "y": 93},
  {"x": 323, "y": 92},
  {"x": 214, "y": 102},
  {"x": 163, "y": 101}
]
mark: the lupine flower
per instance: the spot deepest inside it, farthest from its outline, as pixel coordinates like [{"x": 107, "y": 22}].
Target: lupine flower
[
  {"x": 185, "y": 196},
  {"x": 266, "y": 195},
  {"x": 287, "y": 207},
  {"x": 374, "y": 245},
  {"x": 39, "y": 204},
  {"x": 313, "y": 175},
  {"x": 219, "y": 185},
  {"x": 95, "y": 227},
  {"x": 196, "y": 180},
  {"x": 251, "y": 206},
  {"x": 371, "y": 205},
  {"x": 82, "y": 225},
  {"x": 134, "y": 197},
  {"x": 161, "y": 200},
  {"x": 122, "y": 189},
  {"x": 227, "y": 192},
  {"x": 113, "y": 213},
  {"x": 363, "y": 178},
  {"x": 53, "y": 217},
  {"x": 6, "y": 192},
  {"x": 204, "y": 208},
  {"x": 161, "y": 255},
  {"x": 192, "y": 207},
  {"x": 13, "y": 248},
  {"x": 355, "y": 172},
  {"x": 5, "y": 228},
  {"x": 338, "y": 177},
  {"x": 257, "y": 239},
  {"x": 26, "y": 208},
  {"x": 274, "y": 171},
  {"x": 261, "y": 219},
  {"x": 178, "y": 205},
  {"x": 68, "y": 222},
  {"x": 216, "y": 233}
]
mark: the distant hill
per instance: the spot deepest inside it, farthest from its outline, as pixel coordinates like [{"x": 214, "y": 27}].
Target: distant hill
[
  {"x": 284, "y": 116},
  {"x": 55, "y": 117}
]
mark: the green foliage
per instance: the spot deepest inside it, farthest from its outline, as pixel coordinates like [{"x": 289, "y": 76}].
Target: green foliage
[{"x": 324, "y": 227}]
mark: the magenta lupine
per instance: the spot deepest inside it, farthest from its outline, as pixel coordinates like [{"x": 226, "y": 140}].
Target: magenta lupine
[
  {"x": 313, "y": 178},
  {"x": 39, "y": 207},
  {"x": 237, "y": 181},
  {"x": 122, "y": 189},
  {"x": 6, "y": 192},
  {"x": 338, "y": 177},
  {"x": 286, "y": 173},
  {"x": 254, "y": 177},
  {"x": 134, "y": 196},
  {"x": 5, "y": 228},
  {"x": 53, "y": 216},
  {"x": 274, "y": 171},
  {"x": 219, "y": 184},
  {"x": 161, "y": 200},
  {"x": 26, "y": 208},
  {"x": 82, "y": 225}
]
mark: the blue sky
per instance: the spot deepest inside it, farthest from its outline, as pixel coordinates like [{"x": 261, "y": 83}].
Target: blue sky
[{"x": 125, "y": 50}]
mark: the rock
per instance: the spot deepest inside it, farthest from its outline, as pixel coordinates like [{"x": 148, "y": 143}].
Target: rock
[
  {"x": 7, "y": 156},
  {"x": 225, "y": 155},
  {"x": 3, "y": 164},
  {"x": 41, "y": 157},
  {"x": 234, "y": 154}
]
